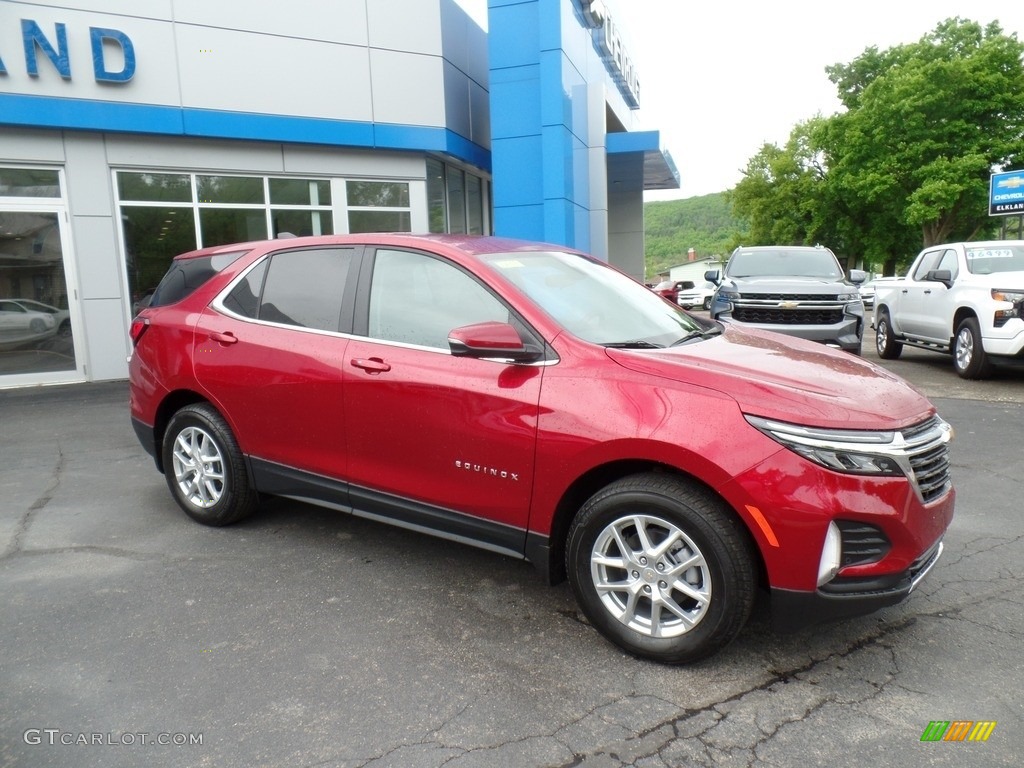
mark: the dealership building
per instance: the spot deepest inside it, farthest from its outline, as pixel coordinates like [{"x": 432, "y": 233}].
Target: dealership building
[{"x": 130, "y": 132}]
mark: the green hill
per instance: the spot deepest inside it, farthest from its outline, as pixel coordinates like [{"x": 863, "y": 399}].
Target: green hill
[{"x": 672, "y": 227}]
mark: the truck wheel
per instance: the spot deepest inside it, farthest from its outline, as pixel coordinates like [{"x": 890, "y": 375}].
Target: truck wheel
[
  {"x": 662, "y": 568},
  {"x": 885, "y": 341},
  {"x": 707, "y": 303},
  {"x": 969, "y": 356}
]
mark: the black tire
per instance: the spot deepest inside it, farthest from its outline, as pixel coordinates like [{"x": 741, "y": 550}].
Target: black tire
[
  {"x": 969, "y": 356},
  {"x": 215, "y": 491},
  {"x": 707, "y": 303},
  {"x": 885, "y": 342},
  {"x": 65, "y": 328},
  {"x": 720, "y": 586}
]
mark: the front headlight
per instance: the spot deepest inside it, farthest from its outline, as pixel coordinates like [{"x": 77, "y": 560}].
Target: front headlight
[
  {"x": 725, "y": 295},
  {"x": 1016, "y": 301},
  {"x": 855, "y": 452},
  {"x": 849, "y": 297}
]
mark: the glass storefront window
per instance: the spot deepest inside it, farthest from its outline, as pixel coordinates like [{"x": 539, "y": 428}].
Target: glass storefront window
[
  {"x": 230, "y": 189},
  {"x": 300, "y": 192},
  {"x": 474, "y": 205},
  {"x": 379, "y": 221},
  {"x": 221, "y": 226},
  {"x": 456, "y": 202},
  {"x": 152, "y": 237},
  {"x": 154, "y": 187},
  {"x": 378, "y": 194},
  {"x": 435, "y": 196},
  {"x": 301, "y": 223},
  {"x": 35, "y": 321},
  {"x": 29, "y": 182}
]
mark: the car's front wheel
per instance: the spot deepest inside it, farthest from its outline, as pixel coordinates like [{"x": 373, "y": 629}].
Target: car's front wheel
[
  {"x": 204, "y": 467},
  {"x": 969, "y": 356},
  {"x": 885, "y": 341},
  {"x": 707, "y": 303},
  {"x": 662, "y": 568}
]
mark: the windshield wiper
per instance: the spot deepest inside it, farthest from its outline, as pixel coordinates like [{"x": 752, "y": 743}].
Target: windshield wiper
[
  {"x": 634, "y": 344},
  {"x": 707, "y": 333}
]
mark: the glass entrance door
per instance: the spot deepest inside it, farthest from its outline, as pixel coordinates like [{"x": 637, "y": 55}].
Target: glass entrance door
[{"x": 37, "y": 311}]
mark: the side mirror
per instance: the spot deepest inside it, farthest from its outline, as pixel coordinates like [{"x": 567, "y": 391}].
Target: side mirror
[
  {"x": 858, "y": 276},
  {"x": 491, "y": 340},
  {"x": 712, "y": 276},
  {"x": 943, "y": 276}
]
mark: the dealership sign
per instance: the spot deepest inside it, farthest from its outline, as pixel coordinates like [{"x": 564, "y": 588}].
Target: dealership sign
[
  {"x": 1006, "y": 194},
  {"x": 613, "y": 52},
  {"x": 37, "y": 45}
]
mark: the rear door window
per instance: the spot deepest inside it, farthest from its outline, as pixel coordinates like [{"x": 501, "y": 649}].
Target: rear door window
[{"x": 303, "y": 288}]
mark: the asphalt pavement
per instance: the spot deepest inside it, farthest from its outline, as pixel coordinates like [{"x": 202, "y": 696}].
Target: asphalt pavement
[{"x": 306, "y": 637}]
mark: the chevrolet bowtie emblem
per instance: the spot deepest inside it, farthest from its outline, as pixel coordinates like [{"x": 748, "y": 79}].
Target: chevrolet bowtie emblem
[{"x": 789, "y": 304}]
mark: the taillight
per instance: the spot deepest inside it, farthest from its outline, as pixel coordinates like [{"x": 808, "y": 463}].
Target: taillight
[{"x": 139, "y": 327}]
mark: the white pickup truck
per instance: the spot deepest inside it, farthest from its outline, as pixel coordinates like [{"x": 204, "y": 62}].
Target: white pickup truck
[{"x": 964, "y": 299}]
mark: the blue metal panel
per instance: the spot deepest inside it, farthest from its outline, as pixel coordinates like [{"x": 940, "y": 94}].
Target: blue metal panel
[
  {"x": 523, "y": 221},
  {"x": 516, "y": 162},
  {"x": 519, "y": 86},
  {"x": 513, "y": 34},
  {"x": 633, "y": 141},
  {"x": 116, "y": 117}
]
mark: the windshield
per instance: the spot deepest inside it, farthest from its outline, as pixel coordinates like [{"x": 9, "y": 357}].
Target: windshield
[
  {"x": 988, "y": 261},
  {"x": 594, "y": 301},
  {"x": 784, "y": 262}
]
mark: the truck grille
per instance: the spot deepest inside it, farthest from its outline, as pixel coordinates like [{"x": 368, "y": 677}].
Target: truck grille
[
  {"x": 927, "y": 449},
  {"x": 776, "y": 316},
  {"x": 789, "y": 309}
]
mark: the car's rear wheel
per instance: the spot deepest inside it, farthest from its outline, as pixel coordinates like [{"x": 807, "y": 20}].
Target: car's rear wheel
[
  {"x": 662, "y": 568},
  {"x": 707, "y": 303},
  {"x": 204, "y": 467},
  {"x": 969, "y": 356},
  {"x": 885, "y": 342}
]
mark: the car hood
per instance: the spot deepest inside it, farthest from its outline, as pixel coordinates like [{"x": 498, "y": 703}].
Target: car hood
[
  {"x": 788, "y": 379},
  {"x": 788, "y": 284}
]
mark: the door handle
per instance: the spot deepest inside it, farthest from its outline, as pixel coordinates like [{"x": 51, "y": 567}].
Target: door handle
[
  {"x": 224, "y": 338},
  {"x": 370, "y": 365},
  {"x": 927, "y": 290}
]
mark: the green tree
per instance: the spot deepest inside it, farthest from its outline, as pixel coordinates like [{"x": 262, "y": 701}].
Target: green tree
[
  {"x": 780, "y": 194},
  {"x": 909, "y": 160},
  {"x": 925, "y": 126}
]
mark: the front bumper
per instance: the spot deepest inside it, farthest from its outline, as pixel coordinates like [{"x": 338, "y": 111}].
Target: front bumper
[{"x": 793, "y": 610}]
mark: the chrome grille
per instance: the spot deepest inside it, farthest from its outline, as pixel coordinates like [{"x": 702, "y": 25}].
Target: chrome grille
[
  {"x": 926, "y": 447},
  {"x": 789, "y": 309}
]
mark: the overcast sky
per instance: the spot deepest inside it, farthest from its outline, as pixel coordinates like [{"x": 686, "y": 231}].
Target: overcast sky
[{"x": 719, "y": 79}]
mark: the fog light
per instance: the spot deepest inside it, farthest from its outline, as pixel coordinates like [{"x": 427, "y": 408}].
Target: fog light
[{"x": 830, "y": 554}]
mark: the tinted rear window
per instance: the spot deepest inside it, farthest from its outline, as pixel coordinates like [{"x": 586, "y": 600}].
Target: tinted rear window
[{"x": 186, "y": 275}]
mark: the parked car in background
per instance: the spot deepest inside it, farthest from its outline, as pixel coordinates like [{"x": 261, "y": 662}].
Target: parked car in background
[
  {"x": 962, "y": 299},
  {"x": 20, "y": 325},
  {"x": 60, "y": 316},
  {"x": 670, "y": 289},
  {"x": 540, "y": 404},
  {"x": 797, "y": 290},
  {"x": 696, "y": 296}
]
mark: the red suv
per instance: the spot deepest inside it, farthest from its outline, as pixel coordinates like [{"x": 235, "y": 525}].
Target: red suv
[{"x": 538, "y": 403}]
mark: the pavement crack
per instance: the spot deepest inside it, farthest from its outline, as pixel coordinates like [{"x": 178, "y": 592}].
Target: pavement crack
[
  {"x": 22, "y": 528},
  {"x": 664, "y": 733}
]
